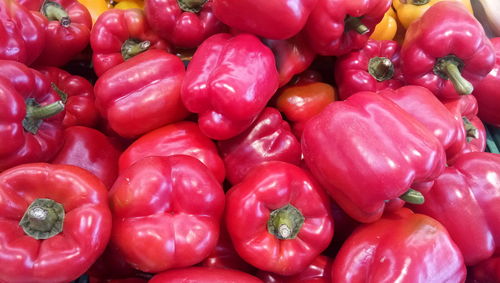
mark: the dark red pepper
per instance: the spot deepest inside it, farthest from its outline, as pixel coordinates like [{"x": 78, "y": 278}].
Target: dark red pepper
[{"x": 317, "y": 272}]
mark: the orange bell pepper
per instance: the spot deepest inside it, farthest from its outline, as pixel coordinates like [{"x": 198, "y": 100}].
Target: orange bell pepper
[
  {"x": 128, "y": 4},
  {"x": 410, "y": 10},
  {"x": 95, "y": 7},
  {"x": 387, "y": 28}
]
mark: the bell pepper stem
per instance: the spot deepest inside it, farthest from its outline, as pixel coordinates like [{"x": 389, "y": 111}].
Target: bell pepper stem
[
  {"x": 36, "y": 113},
  {"x": 462, "y": 86},
  {"x": 285, "y": 222},
  {"x": 193, "y": 6},
  {"x": 132, "y": 47},
  {"x": 62, "y": 95},
  {"x": 471, "y": 131},
  {"x": 412, "y": 196},
  {"x": 354, "y": 23},
  {"x": 43, "y": 219},
  {"x": 54, "y": 11},
  {"x": 381, "y": 68}
]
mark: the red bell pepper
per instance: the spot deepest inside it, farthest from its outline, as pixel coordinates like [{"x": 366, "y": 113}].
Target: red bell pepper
[
  {"x": 376, "y": 152},
  {"x": 487, "y": 271},
  {"x": 336, "y": 27},
  {"x": 31, "y": 116},
  {"x": 111, "y": 264},
  {"x": 446, "y": 51},
  {"x": 487, "y": 91},
  {"x": 31, "y": 4},
  {"x": 228, "y": 83},
  {"x": 204, "y": 274},
  {"x": 279, "y": 19},
  {"x": 55, "y": 221},
  {"x": 269, "y": 138},
  {"x": 142, "y": 94},
  {"x": 293, "y": 56},
  {"x": 317, "y": 272},
  {"x": 119, "y": 35},
  {"x": 344, "y": 226},
  {"x": 422, "y": 104},
  {"x": 400, "y": 247},
  {"x": 177, "y": 138},
  {"x": 184, "y": 23},
  {"x": 466, "y": 200},
  {"x": 22, "y": 33},
  {"x": 91, "y": 150},
  {"x": 301, "y": 102},
  {"x": 167, "y": 212},
  {"x": 67, "y": 31},
  {"x": 271, "y": 221},
  {"x": 375, "y": 67},
  {"x": 77, "y": 94},
  {"x": 473, "y": 133}
]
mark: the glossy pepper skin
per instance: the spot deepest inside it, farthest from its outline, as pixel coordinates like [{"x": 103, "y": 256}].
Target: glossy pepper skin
[
  {"x": 387, "y": 28},
  {"x": 301, "y": 102},
  {"x": 269, "y": 216},
  {"x": 329, "y": 32},
  {"x": 411, "y": 10},
  {"x": 261, "y": 17},
  {"x": 85, "y": 230},
  {"x": 317, "y": 272},
  {"x": 293, "y": 56},
  {"x": 228, "y": 83},
  {"x": 30, "y": 132},
  {"x": 376, "y": 152},
  {"x": 77, "y": 94},
  {"x": 177, "y": 138},
  {"x": 91, "y": 150},
  {"x": 486, "y": 271},
  {"x": 204, "y": 274},
  {"x": 142, "y": 94},
  {"x": 22, "y": 33},
  {"x": 375, "y": 67},
  {"x": 473, "y": 133},
  {"x": 170, "y": 208},
  {"x": 184, "y": 23},
  {"x": 67, "y": 31},
  {"x": 400, "y": 246},
  {"x": 487, "y": 91},
  {"x": 446, "y": 51},
  {"x": 269, "y": 138},
  {"x": 466, "y": 200},
  {"x": 119, "y": 35}
]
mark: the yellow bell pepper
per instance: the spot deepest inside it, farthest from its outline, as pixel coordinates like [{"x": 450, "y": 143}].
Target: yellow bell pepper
[
  {"x": 386, "y": 29},
  {"x": 95, "y": 7},
  {"x": 410, "y": 10},
  {"x": 128, "y": 4}
]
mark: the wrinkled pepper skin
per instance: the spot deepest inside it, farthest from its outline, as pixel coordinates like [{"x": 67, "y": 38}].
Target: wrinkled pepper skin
[
  {"x": 85, "y": 227},
  {"x": 269, "y": 216},
  {"x": 424, "y": 106},
  {"x": 20, "y": 85},
  {"x": 401, "y": 246},
  {"x": 185, "y": 27},
  {"x": 78, "y": 96},
  {"x": 376, "y": 151},
  {"x": 204, "y": 274},
  {"x": 67, "y": 36},
  {"x": 487, "y": 271},
  {"x": 91, "y": 150},
  {"x": 293, "y": 56},
  {"x": 411, "y": 10},
  {"x": 167, "y": 212},
  {"x": 269, "y": 138},
  {"x": 279, "y": 19},
  {"x": 327, "y": 31},
  {"x": 466, "y": 200},
  {"x": 473, "y": 133},
  {"x": 301, "y": 102},
  {"x": 487, "y": 91},
  {"x": 228, "y": 83},
  {"x": 446, "y": 51},
  {"x": 177, "y": 138},
  {"x": 22, "y": 33},
  {"x": 118, "y": 35},
  {"x": 375, "y": 67},
  {"x": 142, "y": 94},
  {"x": 317, "y": 272}
]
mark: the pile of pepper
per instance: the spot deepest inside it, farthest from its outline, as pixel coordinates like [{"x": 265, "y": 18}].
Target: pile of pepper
[{"x": 249, "y": 141}]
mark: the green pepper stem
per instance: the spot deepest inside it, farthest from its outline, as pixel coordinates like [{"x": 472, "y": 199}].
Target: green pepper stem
[
  {"x": 461, "y": 85},
  {"x": 43, "y": 219},
  {"x": 285, "y": 222},
  {"x": 62, "y": 95},
  {"x": 43, "y": 112},
  {"x": 54, "y": 11},
  {"x": 381, "y": 68},
  {"x": 412, "y": 196},
  {"x": 354, "y": 23},
  {"x": 471, "y": 131},
  {"x": 132, "y": 47},
  {"x": 419, "y": 2},
  {"x": 193, "y": 6}
]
